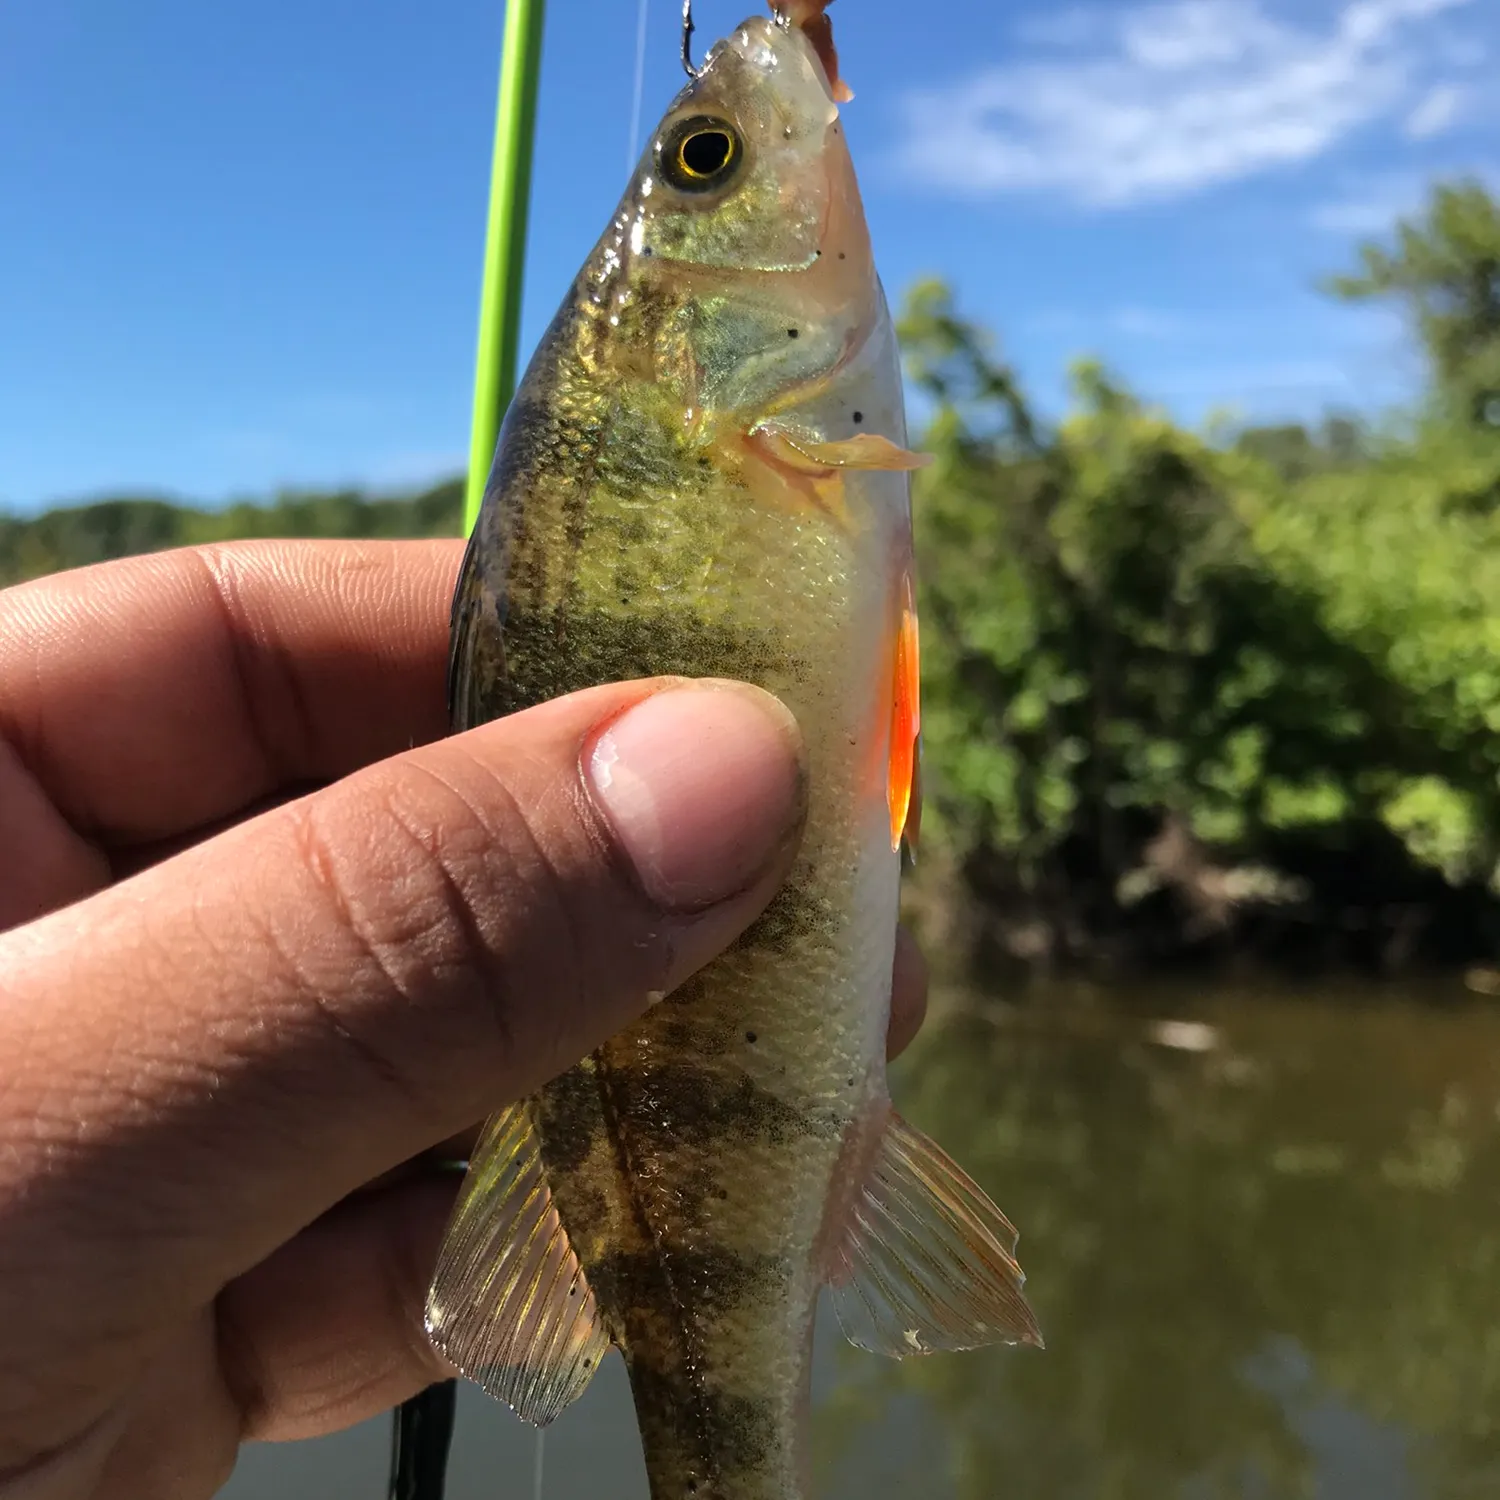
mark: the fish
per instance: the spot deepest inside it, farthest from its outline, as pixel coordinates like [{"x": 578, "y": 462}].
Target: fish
[{"x": 705, "y": 473}]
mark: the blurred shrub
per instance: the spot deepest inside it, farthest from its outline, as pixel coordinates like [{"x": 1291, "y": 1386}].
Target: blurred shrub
[
  {"x": 1182, "y": 686},
  {"x": 1183, "y": 692},
  {"x": 84, "y": 534}
]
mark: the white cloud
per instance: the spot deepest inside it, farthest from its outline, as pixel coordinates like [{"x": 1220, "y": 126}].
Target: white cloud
[
  {"x": 1171, "y": 97},
  {"x": 1232, "y": 384},
  {"x": 1438, "y": 109},
  {"x": 1371, "y": 212},
  {"x": 1371, "y": 206},
  {"x": 1370, "y": 20},
  {"x": 1148, "y": 323},
  {"x": 1064, "y": 28},
  {"x": 1130, "y": 321}
]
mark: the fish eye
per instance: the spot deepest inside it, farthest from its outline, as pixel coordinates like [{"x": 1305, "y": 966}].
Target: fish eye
[{"x": 700, "y": 154}]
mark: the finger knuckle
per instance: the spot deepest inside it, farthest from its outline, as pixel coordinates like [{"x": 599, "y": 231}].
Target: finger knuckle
[{"x": 448, "y": 892}]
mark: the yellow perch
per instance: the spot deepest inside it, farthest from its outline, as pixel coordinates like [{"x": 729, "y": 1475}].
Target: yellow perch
[{"x": 704, "y": 474}]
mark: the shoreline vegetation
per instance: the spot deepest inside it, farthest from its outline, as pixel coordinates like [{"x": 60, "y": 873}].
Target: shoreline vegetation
[{"x": 1207, "y": 699}]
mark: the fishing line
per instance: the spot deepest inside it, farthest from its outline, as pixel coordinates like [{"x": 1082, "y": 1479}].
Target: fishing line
[{"x": 640, "y": 81}]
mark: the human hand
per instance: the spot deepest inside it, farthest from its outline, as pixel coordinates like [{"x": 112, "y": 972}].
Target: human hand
[{"x": 263, "y": 955}]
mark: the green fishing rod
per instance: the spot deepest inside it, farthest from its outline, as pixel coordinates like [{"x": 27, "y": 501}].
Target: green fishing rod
[{"x": 423, "y": 1426}]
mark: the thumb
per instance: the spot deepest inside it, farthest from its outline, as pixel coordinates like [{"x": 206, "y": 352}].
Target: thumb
[{"x": 204, "y": 1058}]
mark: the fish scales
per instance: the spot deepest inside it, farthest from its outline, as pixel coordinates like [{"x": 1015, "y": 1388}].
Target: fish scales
[
  {"x": 736, "y": 1092},
  {"x": 703, "y": 474}
]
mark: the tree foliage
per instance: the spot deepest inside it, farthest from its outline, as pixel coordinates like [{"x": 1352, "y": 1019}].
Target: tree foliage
[
  {"x": 1183, "y": 690},
  {"x": 1443, "y": 271},
  {"x": 76, "y": 536}
]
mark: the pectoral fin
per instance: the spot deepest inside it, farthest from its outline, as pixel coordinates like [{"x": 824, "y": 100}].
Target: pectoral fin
[
  {"x": 783, "y": 465},
  {"x": 509, "y": 1304},
  {"x": 866, "y": 450},
  {"x": 927, "y": 1261}
]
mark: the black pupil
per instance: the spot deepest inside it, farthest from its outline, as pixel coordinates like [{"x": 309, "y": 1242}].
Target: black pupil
[{"x": 706, "y": 152}]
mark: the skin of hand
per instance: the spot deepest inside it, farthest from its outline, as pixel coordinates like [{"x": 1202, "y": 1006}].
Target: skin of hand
[{"x": 270, "y": 944}]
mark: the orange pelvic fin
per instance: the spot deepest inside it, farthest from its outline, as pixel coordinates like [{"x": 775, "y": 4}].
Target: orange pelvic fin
[
  {"x": 903, "y": 786},
  {"x": 783, "y": 464}
]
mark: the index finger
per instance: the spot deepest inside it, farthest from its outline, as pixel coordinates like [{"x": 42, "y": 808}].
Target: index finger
[{"x": 156, "y": 694}]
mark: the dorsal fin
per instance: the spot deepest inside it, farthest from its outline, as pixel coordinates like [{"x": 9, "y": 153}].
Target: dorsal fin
[
  {"x": 509, "y": 1304},
  {"x": 927, "y": 1262}
]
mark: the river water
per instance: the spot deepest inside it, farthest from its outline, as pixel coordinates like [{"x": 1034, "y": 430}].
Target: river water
[{"x": 1262, "y": 1231}]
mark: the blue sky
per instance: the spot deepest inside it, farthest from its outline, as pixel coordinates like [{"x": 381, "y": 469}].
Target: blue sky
[{"x": 239, "y": 242}]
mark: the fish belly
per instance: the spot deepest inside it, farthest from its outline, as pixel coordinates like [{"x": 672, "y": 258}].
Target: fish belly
[
  {"x": 693, "y": 1160},
  {"x": 684, "y": 1192}
]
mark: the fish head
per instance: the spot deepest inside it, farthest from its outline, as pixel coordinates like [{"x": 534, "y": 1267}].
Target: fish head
[
  {"x": 743, "y": 170},
  {"x": 745, "y": 213}
]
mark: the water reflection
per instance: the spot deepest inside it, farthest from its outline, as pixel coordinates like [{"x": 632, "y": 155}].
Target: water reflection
[
  {"x": 1264, "y": 1248},
  {"x": 1240, "y": 1257}
]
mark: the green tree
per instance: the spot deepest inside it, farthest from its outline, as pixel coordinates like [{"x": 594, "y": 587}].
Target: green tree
[
  {"x": 1180, "y": 689},
  {"x": 75, "y": 536},
  {"x": 1183, "y": 691},
  {"x": 1295, "y": 450},
  {"x": 1443, "y": 271}
]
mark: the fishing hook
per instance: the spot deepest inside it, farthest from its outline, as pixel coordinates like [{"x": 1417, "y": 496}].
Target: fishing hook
[
  {"x": 687, "y": 36},
  {"x": 687, "y": 39}
]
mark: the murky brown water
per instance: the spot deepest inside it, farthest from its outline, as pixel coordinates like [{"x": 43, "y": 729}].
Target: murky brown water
[{"x": 1264, "y": 1247}]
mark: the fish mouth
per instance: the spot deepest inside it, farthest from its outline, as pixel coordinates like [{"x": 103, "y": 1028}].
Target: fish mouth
[
  {"x": 794, "y": 73},
  {"x": 777, "y": 49}
]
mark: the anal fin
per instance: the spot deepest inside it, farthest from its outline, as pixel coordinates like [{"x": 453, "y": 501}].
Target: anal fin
[
  {"x": 927, "y": 1262},
  {"x": 509, "y": 1305}
]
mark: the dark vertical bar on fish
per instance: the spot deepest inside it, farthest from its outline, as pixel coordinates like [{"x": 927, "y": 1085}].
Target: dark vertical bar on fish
[{"x": 704, "y": 474}]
